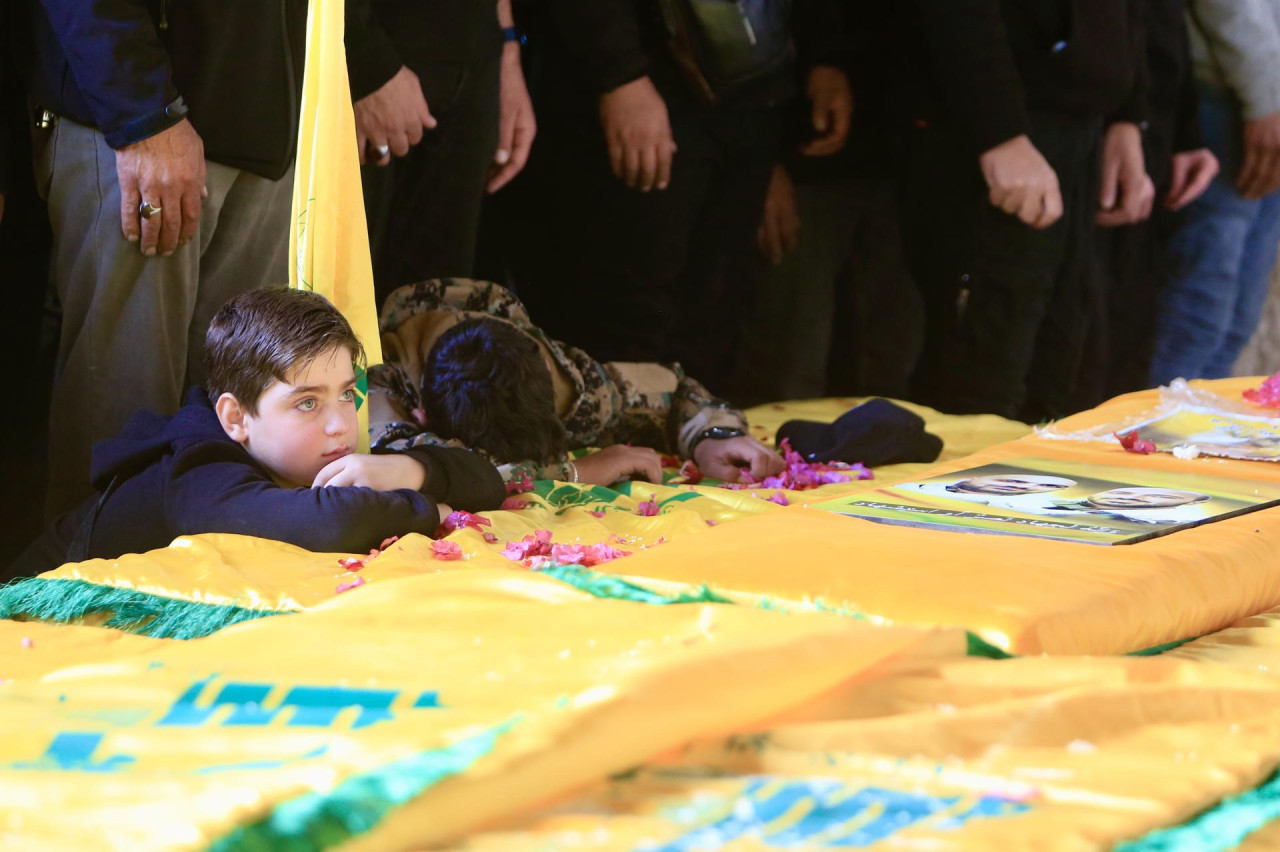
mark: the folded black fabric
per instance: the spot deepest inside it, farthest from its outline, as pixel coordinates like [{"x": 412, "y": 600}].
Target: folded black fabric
[{"x": 876, "y": 433}]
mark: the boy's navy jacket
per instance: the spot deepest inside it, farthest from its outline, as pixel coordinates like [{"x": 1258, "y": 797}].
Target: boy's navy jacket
[{"x": 163, "y": 477}]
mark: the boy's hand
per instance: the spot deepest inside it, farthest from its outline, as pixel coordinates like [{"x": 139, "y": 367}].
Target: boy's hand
[
  {"x": 607, "y": 466},
  {"x": 638, "y": 133},
  {"x": 382, "y": 472},
  {"x": 1022, "y": 182},
  {"x": 832, "y": 103},
  {"x": 725, "y": 458},
  {"x": 1127, "y": 193}
]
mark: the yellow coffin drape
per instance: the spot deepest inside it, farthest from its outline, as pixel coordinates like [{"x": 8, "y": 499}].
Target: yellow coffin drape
[{"x": 329, "y": 241}]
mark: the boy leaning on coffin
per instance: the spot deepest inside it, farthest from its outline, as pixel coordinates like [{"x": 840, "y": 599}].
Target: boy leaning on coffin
[
  {"x": 465, "y": 366},
  {"x": 267, "y": 450}
]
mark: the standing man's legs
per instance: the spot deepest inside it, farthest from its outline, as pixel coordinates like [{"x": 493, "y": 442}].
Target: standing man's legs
[
  {"x": 1253, "y": 281},
  {"x": 424, "y": 208},
  {"x": 127, "y": 319}
]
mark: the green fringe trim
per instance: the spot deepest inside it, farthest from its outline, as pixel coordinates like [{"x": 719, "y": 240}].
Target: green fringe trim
[
  {"x": 358, "y": 804},
  {"x": 979, "y": 647},
  {"x": 1221, "y": 827},
  {"x": 1157, "y": 650},
  {"x": 615, "y": 588},
  {"x": 67, "y": 601}
]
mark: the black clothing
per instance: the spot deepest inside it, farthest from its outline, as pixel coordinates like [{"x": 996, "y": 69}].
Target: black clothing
[
  {"x": 384, "y": 35},
  {"x": 983, "y": 65},
  {"x": 876, "y": 433},
  {"x": 613, "y": 42},
  {"x": 119, "y": 65},
  {"x": 1006, "y": 305},
  {"x": 1132, "y": 259},
  {"x": 424, "y": 208},
  {"x": 168, "y": 476},
  {"x": 647, "y": 276}
]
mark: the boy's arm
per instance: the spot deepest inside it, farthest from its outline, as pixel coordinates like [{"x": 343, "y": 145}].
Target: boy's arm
[
  {"x": 665, "y": 409},
  {"x": 216, "y": 488},
  {"x": 1244, "y": 42},
  {"x": 460, "y": 478}
]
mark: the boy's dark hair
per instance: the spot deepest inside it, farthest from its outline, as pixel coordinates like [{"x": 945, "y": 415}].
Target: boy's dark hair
[
  {"x": 263, "y": 335},
  {"x": 485, "y": 384}
]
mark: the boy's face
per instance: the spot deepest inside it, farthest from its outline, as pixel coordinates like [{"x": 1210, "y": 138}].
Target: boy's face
[{"x": 306, "y": 422}]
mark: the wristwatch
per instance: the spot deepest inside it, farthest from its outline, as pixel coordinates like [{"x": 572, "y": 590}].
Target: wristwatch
[{"x": 715, "y": 433}]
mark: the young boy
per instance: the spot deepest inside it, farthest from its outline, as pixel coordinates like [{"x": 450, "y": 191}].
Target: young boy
[
  {"x": 268, "y": 450},
  {"x": 465, "y": 364}
]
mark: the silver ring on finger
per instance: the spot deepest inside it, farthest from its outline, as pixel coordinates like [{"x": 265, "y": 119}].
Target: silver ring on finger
[
  {"x": 146, "y": 210},
  {"x": 383, "y": 150}
]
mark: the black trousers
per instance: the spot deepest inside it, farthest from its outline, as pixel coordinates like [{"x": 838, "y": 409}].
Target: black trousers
[
  {"x": 424, "y": 208},
  {"x": 657, "y": 276},
  {"x": 1007, "y": 306}
]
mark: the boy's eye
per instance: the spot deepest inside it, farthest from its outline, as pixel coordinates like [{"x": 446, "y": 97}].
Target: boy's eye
[
  {"x": 348, "y": 395},
  {"x": 306, "y": 405}
]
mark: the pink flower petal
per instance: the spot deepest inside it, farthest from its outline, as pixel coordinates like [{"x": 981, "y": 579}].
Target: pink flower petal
[
  {"x": 490, "y": 538},
  {"x": 351, "y": 563},
  {"x": 521, "y": 485},
  {"x": 448, "y": 551},
  {"x": 346, "y": 587},
  {"x": 1133, "y": 444},
  {"x": 512, "y": 504},
  {"x": 28, "y": 642},
  {"x": 387, "y": 542},
  {"x": 780, "y": 499},
  {"x": 1267, "y": 394},
  {"x": 597, "y": 513},
  {"x": 648, "y": 508}
]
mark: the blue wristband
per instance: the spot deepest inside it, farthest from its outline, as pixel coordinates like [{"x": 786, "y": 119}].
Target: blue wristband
[{"x": 513, "y": 34}]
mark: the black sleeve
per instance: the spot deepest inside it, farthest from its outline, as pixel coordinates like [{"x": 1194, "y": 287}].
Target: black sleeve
[
  {"x": 1186, "y": 123},
  {"x": 214, "y": 488},
  {"x": 974, "y": 70},
  {"x": 372, "y": 59},
  {"x": 821, "y": 33},
  {"x": 604, "y": 36},
  {"x": 115, "y": 55},
  {"x": 458, "y": 477},
  {"x": 1135, "y": 108}
]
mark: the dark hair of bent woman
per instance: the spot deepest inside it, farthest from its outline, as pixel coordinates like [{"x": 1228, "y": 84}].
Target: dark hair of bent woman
[{"x": 485, "y": 384}]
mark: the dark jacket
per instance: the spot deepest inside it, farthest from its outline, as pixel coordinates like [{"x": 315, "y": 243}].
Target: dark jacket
[
  {"x": 163, "y": 477},
  {"x": 613, "y": 42},
  {"x": 120, "y": 66},
  {"x": 983, "y": 65},
  {"x": 383, "y": 35}
]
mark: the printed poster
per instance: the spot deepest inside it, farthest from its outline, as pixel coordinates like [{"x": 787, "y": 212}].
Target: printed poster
[{"x": 1060, "y": 500}]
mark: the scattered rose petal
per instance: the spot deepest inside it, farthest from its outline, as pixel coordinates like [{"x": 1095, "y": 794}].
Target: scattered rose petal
[
  {"x": 710, "y": 523},
  {"x": 351, "y": 563},
  {"x": 801, "y": 475},
  {"x": 649, "y": 507},
  {"x": 597, "y": 513},
  {"x": 671, "y": 461},
  {"x": 28, "y": 642},
  {"x": 1133, "y": 444},
  {"x": 447, "y": 551},
  {"x": 460, "y": 520},
  {"x": 1267, "y": 394},
  {"x": 521, "y": 485},
  {"x": 346, "y": 587},
  {"x": 780, "y": 499},
  {"x": 512, "y": 504},
  {"x": 387, "y": 542},
  {"x": 689, "y": 473},
  {"x": 490, "y": 538}
]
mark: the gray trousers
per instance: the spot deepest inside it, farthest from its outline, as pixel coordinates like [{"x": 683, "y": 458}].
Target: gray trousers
[{"x": 132, "y": 326}]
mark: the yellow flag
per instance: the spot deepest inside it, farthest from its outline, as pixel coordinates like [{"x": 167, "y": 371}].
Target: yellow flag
[{"x": 329, "y": 240}]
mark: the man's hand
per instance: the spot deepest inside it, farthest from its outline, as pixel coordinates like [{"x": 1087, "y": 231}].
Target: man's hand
[
  {"x": 1193, "y": 171},
  {"x": 1260, "y": 174},
  {"x": 516, "y": 125},
  {"x": 831, "y": 100},
  {"x": 1022, "y": 182},
  {"x": 779, "y": 230},
  {"x": 168, "y": 171},
  {"x": 381, "y": 472},
  {"x": 725, "y": 459},
  {"x": 638, "y": 134},
  {"x": 607, "y": 466},
  {"x": 1127, "y": 193},
  {"x": 392, "y": 118}
]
